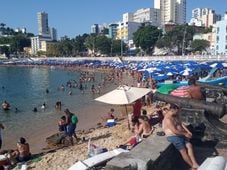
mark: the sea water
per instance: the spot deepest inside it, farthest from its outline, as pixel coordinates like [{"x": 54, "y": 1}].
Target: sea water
[{"x": 25, "y": 88}]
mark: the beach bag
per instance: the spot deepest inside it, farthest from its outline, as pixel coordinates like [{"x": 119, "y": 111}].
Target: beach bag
[{"x": 74, "y": 119}]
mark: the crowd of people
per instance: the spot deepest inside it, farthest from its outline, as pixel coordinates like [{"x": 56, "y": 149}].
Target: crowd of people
[{"x": 141, "y": 123}]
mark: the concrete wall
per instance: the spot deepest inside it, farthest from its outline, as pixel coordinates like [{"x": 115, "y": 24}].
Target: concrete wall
[{"x": 154, "y": 153}]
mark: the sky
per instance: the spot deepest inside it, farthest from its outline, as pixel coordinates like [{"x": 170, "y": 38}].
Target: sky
[{"x": 74, "y": 17}]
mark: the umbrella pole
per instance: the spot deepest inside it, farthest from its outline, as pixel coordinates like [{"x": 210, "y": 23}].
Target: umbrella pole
[{"x": 127, "y": 116}]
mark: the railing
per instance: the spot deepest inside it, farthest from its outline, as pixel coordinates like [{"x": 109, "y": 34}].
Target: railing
[{"x": 144, "y": 58}]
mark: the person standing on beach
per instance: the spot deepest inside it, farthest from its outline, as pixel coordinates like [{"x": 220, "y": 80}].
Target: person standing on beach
[
  {"x": 137, "y": 108},
  {"x": 71, "y": 122},
  {"x": 179, "y": 136},
  {"x": 1, "y": 127}
]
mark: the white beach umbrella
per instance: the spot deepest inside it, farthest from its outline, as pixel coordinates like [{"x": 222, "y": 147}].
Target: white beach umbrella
[
  {"x": 169, "y": 74},
  {"x": 123, "y": 95}
]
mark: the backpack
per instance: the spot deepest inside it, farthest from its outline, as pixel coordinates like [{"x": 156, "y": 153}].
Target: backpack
[{"x": 74, "y": 119}]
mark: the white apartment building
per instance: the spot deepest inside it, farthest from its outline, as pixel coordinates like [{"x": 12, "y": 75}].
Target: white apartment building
[
  {"x": 204, "y": 17},
  {"x": 172, "y": 11},
  {"x": 35, "y": 44},
  {"x": 221, "y": 36},
  {"x": 143, "y": 15},
  {"x": 38, "y": 43}
]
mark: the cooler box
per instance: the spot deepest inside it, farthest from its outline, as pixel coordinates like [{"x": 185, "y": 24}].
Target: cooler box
[{"x": 110, "y": 123}]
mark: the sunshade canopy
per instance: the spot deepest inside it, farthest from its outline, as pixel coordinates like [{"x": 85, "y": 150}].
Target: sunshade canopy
[{"x": 123, "y": 95}]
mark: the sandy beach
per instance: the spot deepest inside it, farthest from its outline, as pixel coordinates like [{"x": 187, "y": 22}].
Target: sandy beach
[{"x": 62, "y": 159}]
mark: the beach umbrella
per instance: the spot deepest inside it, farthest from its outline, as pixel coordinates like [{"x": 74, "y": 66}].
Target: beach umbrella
[
  {"x": 123, "y": 95},
  {"x": 169, "y": 74},
  {"x": 218, "y": 65}
]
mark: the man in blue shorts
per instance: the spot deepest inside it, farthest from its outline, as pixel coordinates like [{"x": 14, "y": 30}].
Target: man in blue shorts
[{"x": 179, "y": 136}]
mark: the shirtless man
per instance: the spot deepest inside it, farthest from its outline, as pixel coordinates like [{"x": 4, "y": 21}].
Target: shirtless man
[
  {"x": 23, "y": 151},
  {"x": 179, "y": 136},
  {"x": 145, "y": 129},
  {"x": 194, "y": 91}
]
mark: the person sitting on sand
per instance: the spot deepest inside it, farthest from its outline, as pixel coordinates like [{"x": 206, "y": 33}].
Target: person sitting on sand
[
  {"x": 131, "y": 142},
  {"x": 22, "y": 153},
  {"x": 135, "y": 125},
  {"x": 5, "y": 105},
  {"x": 110, "y": 115},
  {"x": 145, "y": 129}
]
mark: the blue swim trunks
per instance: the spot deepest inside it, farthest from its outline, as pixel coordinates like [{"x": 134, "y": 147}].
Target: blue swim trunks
[
  {"x": 71, "y": 129},
  {"x": 178, "y": 141}
]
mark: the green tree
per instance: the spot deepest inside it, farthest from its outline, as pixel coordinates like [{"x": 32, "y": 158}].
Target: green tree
[
  {"x": 103, "y": 44},
  {"x": 18, "y": 43},
  {"x": 5, "y": 50},
  {"x": 200, "y": 45},
  {"x": 145, "y": 37},
  {"x": 90, "y": 42},
  {"x": 53, "y": 50},
  {"x": 177, "y": 39},
  {"x": 65, "y": 47},
  {"x": 116, "y": 46},
  {"x": 79, "y": 44}
]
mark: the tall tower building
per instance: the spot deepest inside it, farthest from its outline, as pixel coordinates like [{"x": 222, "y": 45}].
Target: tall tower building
[
  {"x": 43, "y": 27},
  {"x": 173, "y": 11},
  {"x": 204, "y": 17},
  {"x": 95, "y": 29}
]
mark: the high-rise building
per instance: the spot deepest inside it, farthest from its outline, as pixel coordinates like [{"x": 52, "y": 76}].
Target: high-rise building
[
  {"x": 43, "y": 27},
  {"x": 53, "y": 34},
  {"x": 95, "y": 29},
  {"x": 221, "y": 36},
  {"x": 204, "y": 17},
  {"x": 144, "y": 15},
  {"x": 113, "y": 31},
  {"x": 172, "y": 11},
  {"x": 45, "y": 34}
]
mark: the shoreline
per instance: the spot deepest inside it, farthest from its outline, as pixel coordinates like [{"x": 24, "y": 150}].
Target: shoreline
[{"x": 38, "y": 140}]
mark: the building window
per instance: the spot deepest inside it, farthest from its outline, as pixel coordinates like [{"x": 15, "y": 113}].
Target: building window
[
  {"x": 226, "y": 47},
  {"x": 218, "y": 30},
  {"x": 217, "y": 39},
  {"x": 217, "y": 47}
]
